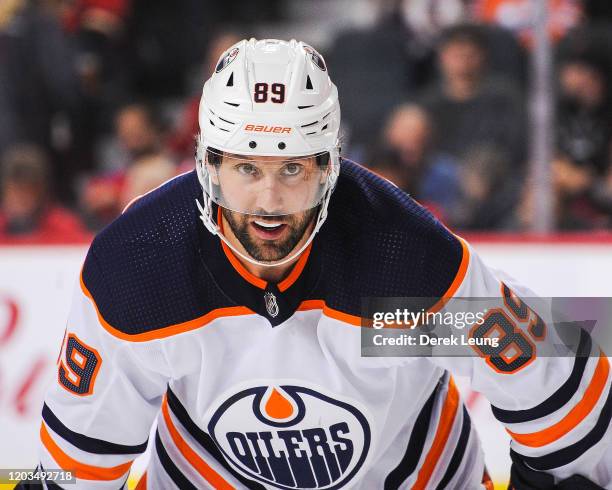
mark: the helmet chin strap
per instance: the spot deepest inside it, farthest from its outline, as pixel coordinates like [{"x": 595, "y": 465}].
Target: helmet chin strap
[{"x": 206, "y": 217}]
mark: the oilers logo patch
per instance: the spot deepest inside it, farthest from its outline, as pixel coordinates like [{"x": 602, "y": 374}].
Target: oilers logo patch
[
  {"x": 291, "y": 436},
  {"x": 227, "y": 59},
  {"x": 317, "y": 59}
]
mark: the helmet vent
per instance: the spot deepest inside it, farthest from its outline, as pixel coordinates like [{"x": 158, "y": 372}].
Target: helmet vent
[
  {"x": 303, "y": 106},
  {"x": 309, "y": 124},
  {"x": 218, "y": 127},
  {"x": 225, "y": 120},
  {"x": 324, "y": 128},
  {"x": 231, "y": 103},
  {"x": 230, "y": 80},
  {"x": 309, "y": 83}
]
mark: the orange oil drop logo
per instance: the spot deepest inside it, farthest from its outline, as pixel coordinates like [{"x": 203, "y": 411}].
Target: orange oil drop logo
[{"x": 277, "y": 406}]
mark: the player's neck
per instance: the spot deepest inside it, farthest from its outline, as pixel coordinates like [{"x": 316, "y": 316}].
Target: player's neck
[{"x": 269, "y": 274}]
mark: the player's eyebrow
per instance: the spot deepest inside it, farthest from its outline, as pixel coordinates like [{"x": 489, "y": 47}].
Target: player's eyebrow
[{"x": 253, "y": 159}]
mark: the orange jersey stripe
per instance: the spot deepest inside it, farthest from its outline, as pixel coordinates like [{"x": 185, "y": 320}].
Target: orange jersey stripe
[
  {"x": 142, "y": 483},
  {"x": 457, "y": 281},
  {"x": 463, "y": 267},
  {"x": 80, "y": 470},
  {"x": 575, "y": 415},
  {"x": 210, "y": 475},
  {"x": 296, "y": 271},
  {"x": 319, "y": 304},
  {"x": 486, "y": 481},
  {"x": 171, "y": 329},
  {"x": 447, "y": 418},
  {"x": 236, "y": 264},
  {"x": 242, "y": 270},
  {"x": 311, "y": 304}
]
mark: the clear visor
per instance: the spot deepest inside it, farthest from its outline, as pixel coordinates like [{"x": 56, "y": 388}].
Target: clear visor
[{"x": 268, "y": 186}]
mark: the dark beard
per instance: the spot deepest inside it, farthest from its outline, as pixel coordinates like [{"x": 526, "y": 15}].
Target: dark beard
[{"x": 274, "y": 250}]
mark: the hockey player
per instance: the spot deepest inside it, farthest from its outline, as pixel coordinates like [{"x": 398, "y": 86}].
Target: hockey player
[{"x": 240, "y": 336}]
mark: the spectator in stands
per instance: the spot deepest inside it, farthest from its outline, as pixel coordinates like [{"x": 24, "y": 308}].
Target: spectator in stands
[
  {"x": 581, "y": 199},
  {"x": 145, "y": 174},
  {"x": 38, "y": 86},
  {"x": 383, "y": 61},
  {"x": 584, "y": 125},
  {"x": 139, "y": 130},
  {"x": 488, "y": 193},
  {"x": 407, "y": 158},
  {"x": 574, "y": 207},
  {"x": 581, "y": 169},
  {"x": 140, "y": 134},
  {"x": 182, "y": 141},
  {"x": 469, "y": 108},
  {"x": 426, "y": 174},
  {"x": 27, "y": 208},
  {"x": 98, "y": 29}
]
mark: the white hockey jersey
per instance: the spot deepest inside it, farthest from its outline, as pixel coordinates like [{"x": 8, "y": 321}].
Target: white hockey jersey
[{"x": 263, "y": 386}]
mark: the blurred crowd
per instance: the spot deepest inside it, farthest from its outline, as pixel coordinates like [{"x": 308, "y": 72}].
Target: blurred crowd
[{"x": 99, "y": 101}]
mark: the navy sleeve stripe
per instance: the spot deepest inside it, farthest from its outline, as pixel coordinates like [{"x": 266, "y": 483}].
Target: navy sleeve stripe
[
  {"x": 459, "y": 452},
  {"x": 411, "y": 457},
  {"x": 85, "y": 443},
  {"x": 570, "y": 453},
  {"x": 180, "y": 480},
  {"x": 524, "y": 478},
  {"x": 560, "y": 397},
  {"x": 205, "y": 440}
]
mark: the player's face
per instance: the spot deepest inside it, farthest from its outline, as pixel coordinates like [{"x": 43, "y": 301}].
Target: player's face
[
  {"x": 269, "y": 238},
  {"x": 269, "y": 202}
]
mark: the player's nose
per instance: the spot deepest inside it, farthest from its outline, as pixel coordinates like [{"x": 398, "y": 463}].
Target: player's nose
[{"x": 269, "y": 196}]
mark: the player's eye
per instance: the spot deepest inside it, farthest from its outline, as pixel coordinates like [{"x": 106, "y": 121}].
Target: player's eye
[
  {"x": 247, "y": 169},
  {"x": 292, "y": 169}
]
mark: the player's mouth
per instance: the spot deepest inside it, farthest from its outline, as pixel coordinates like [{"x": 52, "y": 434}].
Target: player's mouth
[{"x": 267, "y": 230}]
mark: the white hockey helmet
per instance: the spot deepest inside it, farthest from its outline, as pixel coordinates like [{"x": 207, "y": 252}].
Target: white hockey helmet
[{"x": 269, "y": 98}]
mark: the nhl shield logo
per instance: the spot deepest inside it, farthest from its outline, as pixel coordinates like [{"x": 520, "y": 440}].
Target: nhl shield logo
[
  {"x": 271, "y": 304},
  {"x": 290, "y": 436}
]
